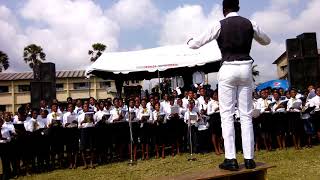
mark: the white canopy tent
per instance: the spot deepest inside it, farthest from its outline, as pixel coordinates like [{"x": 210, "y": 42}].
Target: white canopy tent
[{"x": 168, "y": 61}]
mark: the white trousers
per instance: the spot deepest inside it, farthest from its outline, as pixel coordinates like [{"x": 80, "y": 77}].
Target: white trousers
[{"x": 235, "y": 86}]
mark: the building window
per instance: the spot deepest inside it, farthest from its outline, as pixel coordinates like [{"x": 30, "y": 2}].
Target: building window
[
  {"x": 59, "y": 87},
  {"x": 105, "y": 85},
  {"x": 4, "y": 89},
  {"x": 79, "y": 86},
  {"x": 2, "y": 108},
  {"x": 24, "y": 88}
]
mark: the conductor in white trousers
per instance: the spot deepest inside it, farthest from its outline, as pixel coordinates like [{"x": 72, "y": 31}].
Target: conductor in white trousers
[{"x": 234, "y": 35}]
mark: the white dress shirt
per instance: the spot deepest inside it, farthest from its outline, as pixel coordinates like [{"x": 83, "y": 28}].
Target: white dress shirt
[
  {"x": 214, "y": 32},
  {"x": 54, "y": 116},
  {"x": 213, "y": 107},
  {"x": 6, "y": 130},
  {"x": 187, "y": 116},
  {"x": 69, "y": 117},
  {"x": 314, "y": 102},
  {"x": 84, "y": 125},
  {"x": 295, "y": 101},
  {"x": 145, "y": 112},
  {"x": 98, "y": 115},
  {"x": 262, "y": 104}
]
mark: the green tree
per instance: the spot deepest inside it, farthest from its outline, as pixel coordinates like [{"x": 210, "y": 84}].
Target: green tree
[
  {"x": 4, "y": 61},
  {"x": 255, "y": 72},
  {"x": 33, "y": 55},
  {"x": 96, "y": 51}
]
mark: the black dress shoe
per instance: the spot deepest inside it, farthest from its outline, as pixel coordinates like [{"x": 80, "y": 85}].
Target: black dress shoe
[
  {"x": 249, "y": 163},
  {"x": 229, "y": 164}
]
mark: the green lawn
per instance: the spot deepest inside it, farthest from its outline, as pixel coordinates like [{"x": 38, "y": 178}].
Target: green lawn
[{"x": 291, "y": 164}]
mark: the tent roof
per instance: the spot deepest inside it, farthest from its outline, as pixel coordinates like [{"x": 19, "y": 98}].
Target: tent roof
[{"x": 169, "y": 60}]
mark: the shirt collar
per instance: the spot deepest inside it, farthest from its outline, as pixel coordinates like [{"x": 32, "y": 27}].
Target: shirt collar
[{"x": 232, "y": 14}]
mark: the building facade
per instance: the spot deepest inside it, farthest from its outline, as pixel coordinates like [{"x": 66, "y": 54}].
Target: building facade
[
  {"x": 282, "y": 65},
  {"x": 15, "y": 88}
]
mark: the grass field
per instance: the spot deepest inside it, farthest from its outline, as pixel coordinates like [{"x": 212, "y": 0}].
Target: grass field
[{"x": 291, "y": 164}]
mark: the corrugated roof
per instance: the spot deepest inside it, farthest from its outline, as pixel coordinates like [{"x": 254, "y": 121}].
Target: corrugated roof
[{"x": 29, "y": 75}]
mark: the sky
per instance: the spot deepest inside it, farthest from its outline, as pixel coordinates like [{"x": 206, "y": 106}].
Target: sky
[{"x": 66, "y": 29}]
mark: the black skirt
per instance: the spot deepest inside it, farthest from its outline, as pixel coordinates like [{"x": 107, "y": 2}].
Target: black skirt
[
  {"x": 146, "y": 132},
  {"x": 266, "y": 122},
  {"x": 295, "y": 123},
  {"x": 280, "y": 123},
  {"x": 215, "y": 124},
  {"x": 56, "y": 139},
  {"x": 316, "y": 120},
  {"x": 87, "y": 138},
  {"x": 161, "y": 133},
  {"x": 72, "y": 139}
]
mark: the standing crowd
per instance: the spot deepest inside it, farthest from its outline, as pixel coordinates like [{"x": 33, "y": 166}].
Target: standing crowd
[{"x": 90, "y": 132}]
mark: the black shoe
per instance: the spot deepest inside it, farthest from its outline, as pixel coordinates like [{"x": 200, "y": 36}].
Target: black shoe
[
  {"x": 229, "y": 164},
  {"x": 249, "y": 163}
]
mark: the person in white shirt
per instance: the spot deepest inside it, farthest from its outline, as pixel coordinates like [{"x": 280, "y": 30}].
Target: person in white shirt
[
  {"x": 234, "y": 35},
  {"x": 191, "y": 117},
  {"x": 145, "y": 117},
  {"x": 203, "y": 132},
  {"x": 43, "y": 118},
  {"x": 159, "y": 120},
  {"x": 86, "y": 125},
  {"x": 265, "y": 118},
  {"x": 165, "y": 103},
  {"x": 174, "y": 124},
  {"x": 116, "y": 114},
  {"x": 294, "y": 107},
  {"x": 191, "y": 96},
  {"x": 202, "y": 104},
  {"x": 185, "y": 100},
  {"x": 32, "y": 125},
  {"x": 5, "y": 150},
  {"x": 108, "y": 107},
  {"x": 44, "y": 142},
  {"x": 132, "y": 115},
  {"x": 315, "y": 102},
  {"x": 99, "y": 113},
  {"x": 78, "y": 108},
  {"x": 150, "y": 104},
  {"x": 54, "y": 118},
  {"x": 55, "y": 133},
  {"x": 92, "y": 105},
  {"x": 70, "y": 122},
  {"x": 8, "y": 126},
  {"x": 278, "y": 110},
  {"x": 215, "y": 123}
]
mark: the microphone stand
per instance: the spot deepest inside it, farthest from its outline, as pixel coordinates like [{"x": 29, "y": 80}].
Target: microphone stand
[
  {"x": 131, "y": 162},
  {"x": 191, "y": 158}
]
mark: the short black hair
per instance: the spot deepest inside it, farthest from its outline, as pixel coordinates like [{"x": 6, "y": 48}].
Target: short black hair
[{"x": 231, "y": 5}]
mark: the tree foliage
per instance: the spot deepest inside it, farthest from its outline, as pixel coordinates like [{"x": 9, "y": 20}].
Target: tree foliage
[
  {"x": 96, "y": 51},
  {"x": 4, "y": 61},
  {"x": 33, "y": 55}
]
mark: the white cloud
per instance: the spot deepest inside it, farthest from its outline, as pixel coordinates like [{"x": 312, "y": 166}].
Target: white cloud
[
  {"x": 185, "y": 22},
  {"x": 64, "y": 28},
  {"x": 133, "y": 13}
]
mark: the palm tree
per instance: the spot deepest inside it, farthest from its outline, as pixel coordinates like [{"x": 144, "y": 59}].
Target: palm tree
[
  {"x": 33, "y": 55},
  {"x": 255, "y": 72},
  {"x": 4, "y": 61},
  {"x": 96, "y": 52}
]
